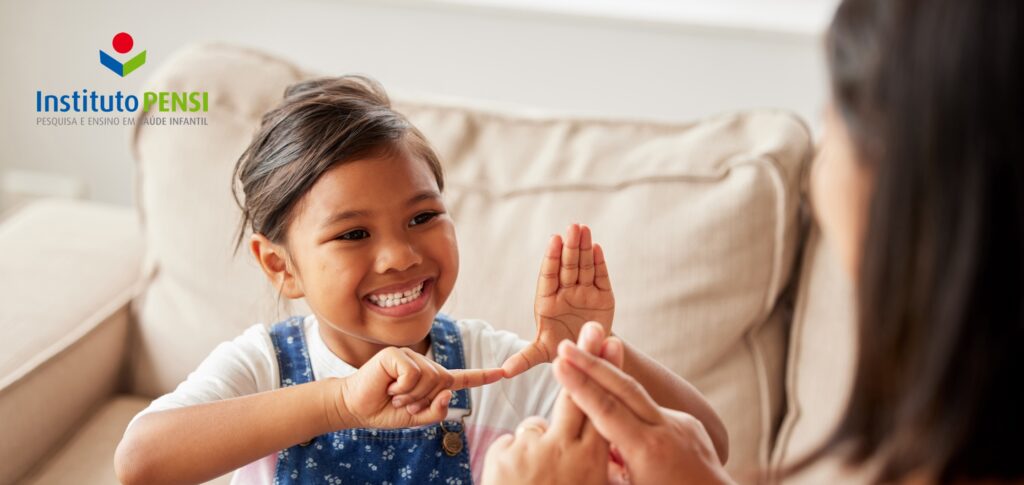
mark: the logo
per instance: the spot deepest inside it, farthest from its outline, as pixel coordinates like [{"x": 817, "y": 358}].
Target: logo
[
  {"x": 89, "y": 107},
  {"x": 122, "y": 44}
]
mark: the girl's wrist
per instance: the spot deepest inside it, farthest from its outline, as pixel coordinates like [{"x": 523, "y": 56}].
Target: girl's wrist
[{"x": 336, "y": 413}]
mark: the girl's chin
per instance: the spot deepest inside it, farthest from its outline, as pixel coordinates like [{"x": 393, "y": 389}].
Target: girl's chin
[{"x": 415, "y": 337}]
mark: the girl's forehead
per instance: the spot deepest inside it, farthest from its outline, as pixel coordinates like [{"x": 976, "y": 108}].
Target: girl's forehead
[
  {"x": 376, "y": 182},
  {"x": 397, "y": 172}
]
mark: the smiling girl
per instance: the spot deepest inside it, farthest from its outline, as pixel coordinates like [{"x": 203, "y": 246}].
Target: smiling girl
[{"x": 342, "y": 197}]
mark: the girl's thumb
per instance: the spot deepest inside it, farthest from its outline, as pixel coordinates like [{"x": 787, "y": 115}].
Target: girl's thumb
[{"x": 437, "y": 411}]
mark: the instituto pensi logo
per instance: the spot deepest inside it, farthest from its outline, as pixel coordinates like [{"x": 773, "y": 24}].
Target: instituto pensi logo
[
  {"x": 122, "y": 44},
  {"x": 83, "y": 106}
]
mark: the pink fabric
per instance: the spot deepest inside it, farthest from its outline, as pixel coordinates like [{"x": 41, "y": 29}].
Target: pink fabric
[
  {"x": 480, "y": 440},
  {"x": 258, "y": 472}
]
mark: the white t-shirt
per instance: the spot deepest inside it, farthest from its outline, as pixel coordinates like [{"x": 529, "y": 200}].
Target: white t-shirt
[{"x": 247, "y": 365}]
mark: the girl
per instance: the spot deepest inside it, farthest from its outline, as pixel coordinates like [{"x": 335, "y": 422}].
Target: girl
[{"x": 343, "y": 199}]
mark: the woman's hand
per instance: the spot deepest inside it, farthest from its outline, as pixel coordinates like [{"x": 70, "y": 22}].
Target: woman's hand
[
  {"x": 573, "y": 288},
  {"x": 655, "y": 445},
  {"x": 566, "y": 451},
  {"x": 400, "y": 388}
]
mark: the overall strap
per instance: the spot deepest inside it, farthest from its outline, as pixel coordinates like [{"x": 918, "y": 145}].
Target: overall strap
[
  {"x": 289, "y": 341},
  {"x": 446, "y": 343}
]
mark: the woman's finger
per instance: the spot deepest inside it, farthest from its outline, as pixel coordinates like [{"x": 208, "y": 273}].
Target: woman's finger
[
  {"x": 567, "y": 420},
  {"x": 613, "y": 351},
  {"x": 570, "y": 267},
  {"x": 614, "y": 382},
  {"x": 531, "y": 428},
  {"x": 615, "y": 421},
  {"x": 586, "y": 277},
  {"x": 499, "y": 446},
  {"x": 591, "y": 338}
]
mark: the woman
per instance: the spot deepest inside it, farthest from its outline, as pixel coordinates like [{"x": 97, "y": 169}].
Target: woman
[{"x": 919, "y": 186}]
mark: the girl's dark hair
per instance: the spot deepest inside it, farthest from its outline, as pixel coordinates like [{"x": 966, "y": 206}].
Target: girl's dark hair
[
  {"x": 319, "y": 124},
  {"x": 931, "y": 91}
]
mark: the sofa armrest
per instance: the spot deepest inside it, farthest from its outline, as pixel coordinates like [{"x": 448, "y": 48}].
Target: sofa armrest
[{"x": 69, "y": 270}]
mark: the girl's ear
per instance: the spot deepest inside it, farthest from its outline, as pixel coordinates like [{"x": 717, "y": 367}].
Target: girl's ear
[{"x": 274, "y": 260}]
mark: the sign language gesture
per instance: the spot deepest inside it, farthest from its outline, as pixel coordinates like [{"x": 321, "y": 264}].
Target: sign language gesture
[
  {"x": 399, "y": 388},
  {"x": 573, "y": 288}
]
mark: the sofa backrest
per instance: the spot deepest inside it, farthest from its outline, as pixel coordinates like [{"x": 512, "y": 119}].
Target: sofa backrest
[{"x": 700, "y": 223}]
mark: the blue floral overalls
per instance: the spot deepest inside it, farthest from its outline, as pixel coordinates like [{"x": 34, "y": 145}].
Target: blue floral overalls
[{"x": 425, "y": 454}]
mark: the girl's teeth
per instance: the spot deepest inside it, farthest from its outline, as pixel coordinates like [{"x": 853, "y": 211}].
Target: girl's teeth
[{"x": 388, "y": 300}]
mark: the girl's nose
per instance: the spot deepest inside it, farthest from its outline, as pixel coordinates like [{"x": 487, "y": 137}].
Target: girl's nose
[{"x": 397, "y": 255}]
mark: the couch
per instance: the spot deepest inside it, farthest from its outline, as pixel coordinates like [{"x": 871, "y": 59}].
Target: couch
[{"x": 718, "y": 271}]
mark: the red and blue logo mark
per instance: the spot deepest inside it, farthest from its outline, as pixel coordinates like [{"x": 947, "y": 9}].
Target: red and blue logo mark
[{"x": 122, "y": 44}]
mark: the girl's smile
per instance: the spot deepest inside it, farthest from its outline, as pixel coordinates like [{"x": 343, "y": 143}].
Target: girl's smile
[{"x": 400, "y": 300}]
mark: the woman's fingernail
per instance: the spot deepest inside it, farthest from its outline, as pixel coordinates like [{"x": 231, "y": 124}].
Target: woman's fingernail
[
  {"x": 414, "y": 408},
  {"x": 397, "y": 402},
  {"x": 447, "y": 399},
  {"x": 589, "y": 333}
]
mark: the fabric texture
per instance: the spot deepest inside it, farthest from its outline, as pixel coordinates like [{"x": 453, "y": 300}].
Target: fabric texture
[
  {"x": 249, "y": 364},
  {"x": 699, "y": 222},
  {"x": 68, "y": 272},
  {"x": 821, "y": 364}
]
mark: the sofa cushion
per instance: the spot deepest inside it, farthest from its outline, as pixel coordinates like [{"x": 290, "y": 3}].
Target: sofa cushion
[
  {"x": 88, "y": 456},
  {"x": 69, "y": 270},
  {"x": 820, "y": 368},
  {"x": 699, "y": 222}
]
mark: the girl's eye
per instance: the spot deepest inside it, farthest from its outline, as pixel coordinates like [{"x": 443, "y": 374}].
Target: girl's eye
[
  {"x": 354, "y": 235},
  {"x": 423, "y": 218}
]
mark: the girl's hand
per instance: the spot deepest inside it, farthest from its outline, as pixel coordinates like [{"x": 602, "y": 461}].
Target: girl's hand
[
  {"x": 573, "y": 288},
  {"x": 654, "y": 444},
  {"x": 399, "y": 388}
]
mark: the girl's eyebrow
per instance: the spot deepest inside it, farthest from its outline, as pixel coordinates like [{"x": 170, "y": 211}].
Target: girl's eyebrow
[
  {"x": 423, "y": 195},
  {"x": 341, "y": 216},
  {"x": 352, "y": 214}
]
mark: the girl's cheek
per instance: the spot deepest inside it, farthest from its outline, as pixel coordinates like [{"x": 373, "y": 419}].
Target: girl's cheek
[{"x": 446, "y": 249}]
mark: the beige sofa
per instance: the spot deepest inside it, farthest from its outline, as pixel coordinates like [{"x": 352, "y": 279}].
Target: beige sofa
[{"x": 717, "y": 271}]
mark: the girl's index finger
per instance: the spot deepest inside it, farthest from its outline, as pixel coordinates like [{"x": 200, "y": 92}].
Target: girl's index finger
[{"x": 466, "y": 378}]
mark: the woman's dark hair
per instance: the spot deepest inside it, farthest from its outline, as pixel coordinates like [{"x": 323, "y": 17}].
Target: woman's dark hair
[
  {"x": 931, "y": 91},
  {"x": 320, "y": 123}
]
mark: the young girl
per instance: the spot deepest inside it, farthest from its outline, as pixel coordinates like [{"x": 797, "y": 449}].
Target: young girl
[{"x": 343, "y": 199}]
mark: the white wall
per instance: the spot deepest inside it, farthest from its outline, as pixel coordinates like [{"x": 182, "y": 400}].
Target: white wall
[{"x": 674, "y": 68}]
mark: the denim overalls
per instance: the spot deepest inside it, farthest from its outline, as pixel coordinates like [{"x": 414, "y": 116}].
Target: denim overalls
[{"x": 426, "y": 454}]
